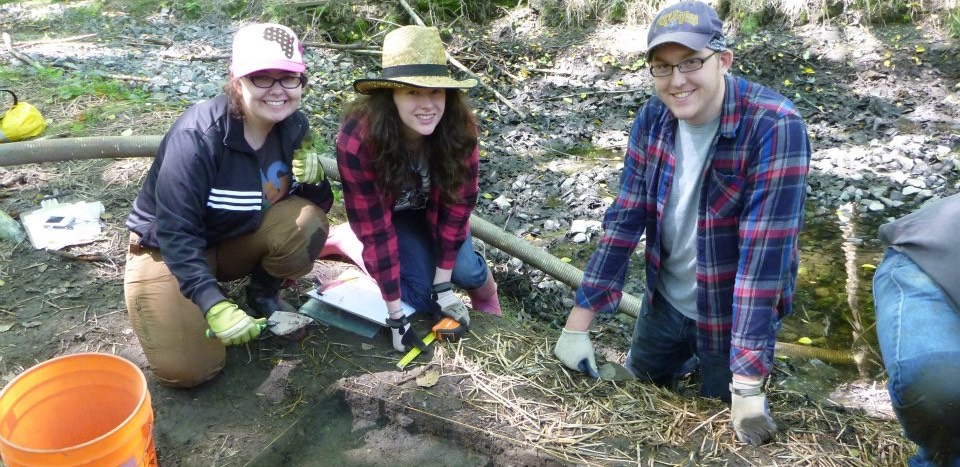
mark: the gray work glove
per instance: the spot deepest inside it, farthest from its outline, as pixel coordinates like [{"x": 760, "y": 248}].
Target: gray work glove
[
  {"x": 575, "y": 351},
  {"x": 449, "y": 304},
  {"x": 751, "y": 413}
]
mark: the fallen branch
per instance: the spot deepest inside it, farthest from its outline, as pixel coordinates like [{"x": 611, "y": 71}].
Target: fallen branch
[
  {"x": 158, "y": 41},
  {"x": 139, "y": 79},
  {"x": 92, "y": 257},
  {"x": 456, "y": 63},
  {"x": 8, "y": 43},
  {"x": 597, "y": 92},
  {"x": 352, "y": 48},
  {"x": 333, "y": 45},
  {"x": 196, "y": 58},
  {"x": 57, "y": 41},
  {"x": 551, "y": 71}
]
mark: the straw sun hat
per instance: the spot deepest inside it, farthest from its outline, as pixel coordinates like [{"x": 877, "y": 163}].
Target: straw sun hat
[{"x": 413, "y": 56}]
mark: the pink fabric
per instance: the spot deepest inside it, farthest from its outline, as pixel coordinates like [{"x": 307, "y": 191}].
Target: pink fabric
[{"x": 485, "y": 298}]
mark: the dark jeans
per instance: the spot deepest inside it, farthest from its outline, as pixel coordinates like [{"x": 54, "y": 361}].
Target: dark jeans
[
  {"x": 664, "y": 340},
  {"x": 418, "y": 261}
]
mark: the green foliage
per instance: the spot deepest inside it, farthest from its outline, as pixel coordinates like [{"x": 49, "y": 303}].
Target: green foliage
[
  {"x": 554, "y": 202},
  {"x": 445, "y": 11},
  {"x": 186, "y": 9},
  {"x": 191, "y": 8},
  {"x": 617, "y": 11},
  {"x": 953, "y": 22},
  {"x": 137, "y": 8},
  {"x": 883, "y": 11},
  {"x": 749, "y": 24},
  {"x": 82, "y": 13},
  {"x": 73, "y": 86},
  {"x": 101, "y": 98},
  {"x": 69, "y": 86}
]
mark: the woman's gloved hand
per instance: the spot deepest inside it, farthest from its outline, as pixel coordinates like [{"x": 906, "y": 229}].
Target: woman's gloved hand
[
  {"x": 306, "y": 163},
  {"x": 232, "y": 325},
  {"x": 450, "y": 304},
  {"x": 751, "y": 413}
]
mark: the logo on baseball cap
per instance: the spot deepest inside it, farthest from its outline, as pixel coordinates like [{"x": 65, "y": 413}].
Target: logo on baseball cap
[
  {"x": 692, "y": 24},
  {"x": 266, "y": 46}
]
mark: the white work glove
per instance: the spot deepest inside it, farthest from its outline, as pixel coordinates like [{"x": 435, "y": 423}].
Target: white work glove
[
  {"x": 402, "y": 334},
  {"x": 575, "y": 350},
  {"x": 449, "y": 303},
  {"x": 751, "y": 413}
]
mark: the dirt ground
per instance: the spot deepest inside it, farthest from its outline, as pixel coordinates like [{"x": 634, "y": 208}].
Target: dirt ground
[{"x": 335, "y": 398}]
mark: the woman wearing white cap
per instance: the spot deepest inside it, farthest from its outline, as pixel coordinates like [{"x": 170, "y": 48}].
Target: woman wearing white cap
[
  {"x": 408, "y": 159},
  {"x": 234, "y": 192}
]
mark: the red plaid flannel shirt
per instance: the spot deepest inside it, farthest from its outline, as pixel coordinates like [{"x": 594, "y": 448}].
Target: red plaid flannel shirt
[{"x": 370, "y": 211}]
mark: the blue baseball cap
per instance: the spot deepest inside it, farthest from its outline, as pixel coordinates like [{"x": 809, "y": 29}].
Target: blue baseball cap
[{"x": 692, "y": 24}]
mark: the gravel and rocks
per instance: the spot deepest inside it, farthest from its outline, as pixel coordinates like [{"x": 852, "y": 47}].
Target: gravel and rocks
[
  {"x": 902, "y": 158},
  {"x": 880, "y": 147},
  {"x": 883, "y": 121}
]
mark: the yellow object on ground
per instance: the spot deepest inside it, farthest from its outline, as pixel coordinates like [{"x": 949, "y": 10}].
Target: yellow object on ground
[
  {"x": 412, "y": 354},
  {"x": 22, "y": 121}
]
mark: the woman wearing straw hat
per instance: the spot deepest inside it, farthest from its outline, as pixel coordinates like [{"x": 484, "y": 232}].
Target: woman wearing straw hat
[
  {"x": 408, "y": 159},
  {"x": 233, "y": 192}
]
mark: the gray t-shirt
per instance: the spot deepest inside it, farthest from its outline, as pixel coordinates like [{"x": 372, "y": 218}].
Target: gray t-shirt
[
  {"x": 678, "y": 277},
  {"x": 929, "y": 236}
]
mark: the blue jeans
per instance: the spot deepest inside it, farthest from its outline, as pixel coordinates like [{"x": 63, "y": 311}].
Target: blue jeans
[
  {"x": 418, "y": 261},
  {"x": 664, "y": 340},
  {"x": 919, "y": 334}
]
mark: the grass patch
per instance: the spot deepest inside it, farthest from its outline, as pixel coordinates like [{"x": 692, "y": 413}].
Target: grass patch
[
  {"x": 953, "y": 22},
  {"x": 75, "y": 104}
]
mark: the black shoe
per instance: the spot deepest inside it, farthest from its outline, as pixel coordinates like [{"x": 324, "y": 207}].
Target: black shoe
[{"x": 263, "y": 294}]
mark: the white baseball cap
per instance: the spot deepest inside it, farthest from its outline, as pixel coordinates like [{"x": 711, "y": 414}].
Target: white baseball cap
[{"x": 266, "y": 46}]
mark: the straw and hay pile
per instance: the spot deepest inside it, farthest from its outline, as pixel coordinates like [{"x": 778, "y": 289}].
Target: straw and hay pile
[{"x": 503, "y": 393}]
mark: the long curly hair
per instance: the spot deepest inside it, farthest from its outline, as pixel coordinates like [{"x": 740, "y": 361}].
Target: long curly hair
[
  {"x": 447, "y": 149},
  {"x": 234, "y": 98}
]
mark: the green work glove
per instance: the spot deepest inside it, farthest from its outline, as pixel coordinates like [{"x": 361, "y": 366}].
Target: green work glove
[
  {"x": 751, "y": 413},
  {"x": 232, "y": 325},
  {"x": 575, "y": 350},
  {"x": 306, "y": 163}
]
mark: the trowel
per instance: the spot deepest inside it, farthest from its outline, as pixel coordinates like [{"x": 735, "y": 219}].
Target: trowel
[{"x": 287, "y": 323}]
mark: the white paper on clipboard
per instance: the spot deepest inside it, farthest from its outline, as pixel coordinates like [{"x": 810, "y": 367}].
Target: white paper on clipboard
[{"x": 357, "y": 293}]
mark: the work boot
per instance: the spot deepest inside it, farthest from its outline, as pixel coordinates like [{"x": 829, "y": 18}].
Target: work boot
[
  {"x": 263, "y": 294},
  {"x": 485, "y": 298}
]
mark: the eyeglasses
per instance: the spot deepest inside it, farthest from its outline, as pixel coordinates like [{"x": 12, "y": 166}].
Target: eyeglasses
[
  {"x": 287, "y": 82},
  {"x": 686, "y": 66}
]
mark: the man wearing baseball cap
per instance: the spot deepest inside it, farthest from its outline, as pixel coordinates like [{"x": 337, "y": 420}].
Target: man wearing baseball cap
[
  {"x": 235, "y": 191},
  {"x": 715, "y": 176}
]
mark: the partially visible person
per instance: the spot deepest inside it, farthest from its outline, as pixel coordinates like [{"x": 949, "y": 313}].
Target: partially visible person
[
  {"x": 916, "y": 290},
  {"x": 408, "y": 159},
  {"x": 715, "y": 175},
  {"x": 231, "y": 194}
]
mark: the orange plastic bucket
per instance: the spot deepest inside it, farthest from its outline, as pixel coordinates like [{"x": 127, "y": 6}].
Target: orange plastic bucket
[{"x": 86, "y": 409}]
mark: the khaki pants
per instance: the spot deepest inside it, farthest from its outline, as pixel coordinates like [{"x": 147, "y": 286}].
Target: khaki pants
[{"x": 171, "y": 328}]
